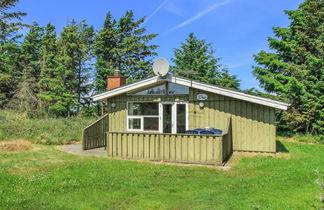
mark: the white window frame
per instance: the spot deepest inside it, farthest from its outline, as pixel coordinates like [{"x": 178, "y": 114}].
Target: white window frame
[
  {"x": 141, "y": 117},
  {"x": 134, "y": 117},
  {"x": 159, "y": 116},
  {"x": 174, "y": 115},
  {"x": 187, "y": 115}
]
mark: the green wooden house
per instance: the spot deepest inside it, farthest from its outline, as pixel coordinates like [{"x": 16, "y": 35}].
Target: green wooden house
[{"x": 150, "y": 119}]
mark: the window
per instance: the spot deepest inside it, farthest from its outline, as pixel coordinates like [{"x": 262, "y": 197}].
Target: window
[
  {"x": 177, "y": 89},
  {"x": 143, "y": 116},
  {"x": 151, "y": 124},
  {"x": 173, "y": 89},
  {"x": 134, "y": 123},
  {"x": 143, "y": 108},
  {"x": 158, "y": 90}
]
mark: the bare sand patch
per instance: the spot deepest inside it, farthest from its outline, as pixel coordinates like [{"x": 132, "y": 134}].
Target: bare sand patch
[{"x": 15, "y": 146}]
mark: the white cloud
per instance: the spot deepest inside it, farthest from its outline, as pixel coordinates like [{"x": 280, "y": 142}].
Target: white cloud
[
  {"x": 199, "y": 15},
  {"x": 172, "y": 8},
  {"x": 156, "y": 11}
]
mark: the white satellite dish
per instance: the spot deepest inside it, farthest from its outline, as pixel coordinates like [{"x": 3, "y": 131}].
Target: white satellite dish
[{"x": 160, "y": 67}]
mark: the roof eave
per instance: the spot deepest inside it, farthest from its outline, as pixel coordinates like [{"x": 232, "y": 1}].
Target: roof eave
[{"x": 194, "y": 84}]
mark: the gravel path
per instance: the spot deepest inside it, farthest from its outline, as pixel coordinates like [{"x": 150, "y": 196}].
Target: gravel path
[{"x": 77, "y": 149}]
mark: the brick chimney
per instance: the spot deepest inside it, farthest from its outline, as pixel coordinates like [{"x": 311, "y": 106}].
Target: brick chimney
[{"x": 115, "y": 81}]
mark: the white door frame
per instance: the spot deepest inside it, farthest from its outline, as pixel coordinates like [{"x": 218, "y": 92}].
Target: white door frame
[{"x": 174, "y": 115}]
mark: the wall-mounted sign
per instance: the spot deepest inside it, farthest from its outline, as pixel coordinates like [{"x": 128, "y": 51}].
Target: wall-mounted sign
[{"x": 202, "y": 97}]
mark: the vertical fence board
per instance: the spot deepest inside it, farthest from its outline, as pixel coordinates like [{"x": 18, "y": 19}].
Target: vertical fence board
[
  {"x": 184, "y": 148},
  {"x": 196, "y": 148},
  {"x": 94, "y": 136},
  {"x": 209, "y": 150},
  {"x": 169, "y": 147},
  {"x": 135, "y": 146},
  {"x": 191, "y": 149}
]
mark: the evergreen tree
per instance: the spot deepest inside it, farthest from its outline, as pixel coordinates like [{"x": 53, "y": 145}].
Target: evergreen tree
[
  {"x": 105, "y": 50},
  {"x": 122, "y": 44},
  {"x": 25, "y": 99},
  {"x": 10, "y": 71},
  {"x": 9, "y": 21},
  {"x": 31, "y": 49},
  {"x": 134, "y": 51},
  {"x": 30, "y": 55},
  {"x": 84, "y": 67},
  {"x": 224, "y": 79},
  {"x": 195, "y": 60},
  {"x": 294, "y": 70},
  {"x": 74, "y": 56},
  {"x": 9, "y": 49},
  {"x": 50, "y": 83}
]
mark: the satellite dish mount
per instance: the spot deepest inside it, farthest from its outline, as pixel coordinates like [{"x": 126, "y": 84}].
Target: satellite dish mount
[{"x": 161, "y": 67}]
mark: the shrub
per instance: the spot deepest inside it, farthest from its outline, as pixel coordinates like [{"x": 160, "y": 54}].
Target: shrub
[{"x": 42, "y": 130}]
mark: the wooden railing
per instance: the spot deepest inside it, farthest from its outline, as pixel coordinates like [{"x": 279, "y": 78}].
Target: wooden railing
[
  {"x": 227, "y": 141},
  {"x": 94, "y": 136},
  {"x": 185, "y": 148}
]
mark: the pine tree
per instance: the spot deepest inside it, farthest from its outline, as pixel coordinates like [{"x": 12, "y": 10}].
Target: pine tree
[
  {"x": 50, "y": 82},
  {"x": 122, "y": 44},
  {"x": 74, "y": 56},
  {"x": 25, "y": 99},
  {"x": 294, "y": 70},
  {"x": 84, "y": 67},
  {"x": 9, "y": 27},
  {"x": 134, "y": 51},
  {"x": 195, "y": 60},
  {"x": 105, "y": 48},
  {"x": 9, "y": 49},
  {"x": 224, "y": 79},
  {"x": 31, "y": 49},
  {"x": 30, "y": 62}
]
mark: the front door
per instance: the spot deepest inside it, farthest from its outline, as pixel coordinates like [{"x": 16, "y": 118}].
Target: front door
[{"x": 173, "y": 117}]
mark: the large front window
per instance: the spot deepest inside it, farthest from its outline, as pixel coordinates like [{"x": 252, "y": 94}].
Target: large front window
[
  {"x": 167, "y": 88},
  {"x": 143, "y": 116},
  {"x": 158, "y": 90}
]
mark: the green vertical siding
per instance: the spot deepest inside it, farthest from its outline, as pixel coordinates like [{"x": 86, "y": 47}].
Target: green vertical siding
[{"x": 253, "y": 125}]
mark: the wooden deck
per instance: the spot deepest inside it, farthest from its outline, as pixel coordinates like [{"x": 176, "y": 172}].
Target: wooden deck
[{"x": 182, "y": 148}]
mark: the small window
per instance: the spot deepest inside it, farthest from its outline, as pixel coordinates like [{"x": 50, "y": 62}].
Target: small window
[
  {"x": 151, "y": 124},
  {"x": 158, "y": 90},
  {"x": 177, "y": 89},
  {"x": 143, "y": 116},
  {"x": 134, "y": 123},
  {"x": 143, "y": 109}
]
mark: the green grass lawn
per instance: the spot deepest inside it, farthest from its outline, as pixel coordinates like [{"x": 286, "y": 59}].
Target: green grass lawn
[{"x": 45, "y": 178}]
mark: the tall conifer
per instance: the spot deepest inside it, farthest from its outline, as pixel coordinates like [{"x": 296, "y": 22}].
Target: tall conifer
[
  {"x": 294, "y": 69},
  {"x": 122, "y": 44},
  {"x": 195, "y": 60},
  {"x": 9, "y": 49},
  {"x": 74, "y": 67}
]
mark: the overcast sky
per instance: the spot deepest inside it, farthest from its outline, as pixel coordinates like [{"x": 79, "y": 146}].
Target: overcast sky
[{"x": 237, "y": 28}]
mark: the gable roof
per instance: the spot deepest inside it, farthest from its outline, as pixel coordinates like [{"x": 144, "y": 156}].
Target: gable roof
[{"x": 194, "y": 84}]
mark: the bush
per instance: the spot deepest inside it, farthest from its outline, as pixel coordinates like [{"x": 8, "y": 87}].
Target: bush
[
  {"x": 306, "y": 138},
  {"x": 53, "y": 131}
]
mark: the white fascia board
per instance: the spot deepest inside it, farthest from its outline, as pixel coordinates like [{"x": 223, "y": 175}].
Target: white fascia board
[
  {"x": 126, "y": 88},
  {"x": 194, "y": 84},
  {"x": 231, "y": 93}
]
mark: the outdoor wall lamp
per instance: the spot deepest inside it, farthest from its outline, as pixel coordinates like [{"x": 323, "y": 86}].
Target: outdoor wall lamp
[
  {"x": 201, "y": 104},
  {"x": 113, "y": 105}
]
